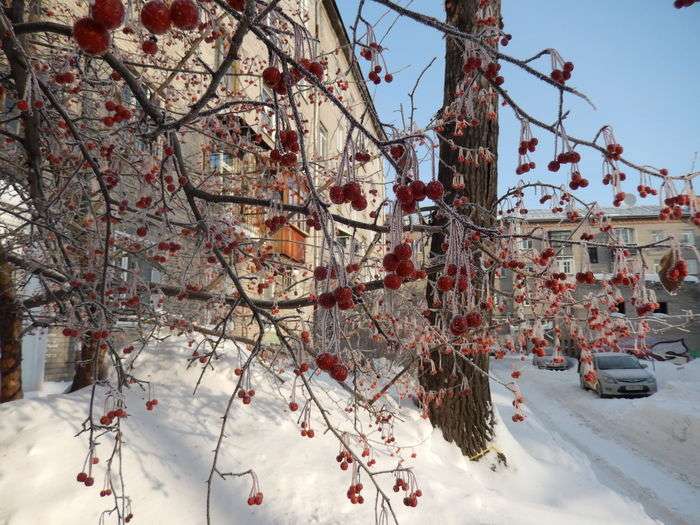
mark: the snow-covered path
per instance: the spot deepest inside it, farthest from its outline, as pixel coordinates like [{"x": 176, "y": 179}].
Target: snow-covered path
[{"x": 646, "y": 449}]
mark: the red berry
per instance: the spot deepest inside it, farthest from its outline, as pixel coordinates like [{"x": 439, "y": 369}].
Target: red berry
[
  {"x": 339, "y": 372},
  {"x": 109, "y": 13},
  {"x": 150, "y": 47},
  {"x": 271, "y": 76},
  {"x": 392, "y": 281},
  {"x": 155, "y": 16},
  {"x": 81, "y": 477},
  {"x": 91, "y": 36},
  {"x": 434, "y": 190},
  {"x": 184, "y": 14}
]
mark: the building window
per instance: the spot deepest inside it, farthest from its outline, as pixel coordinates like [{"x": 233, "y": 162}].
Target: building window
[
  {"x": 566, "y": 265},
  {"x": 688, "y": 237},
  {"x": 658, "y": 236},
  {"x": 593, "y": 254},
  {"x": 220, "y": 161},
  {"x": 295, "y": 197},
  {"x": 662, "y": 309},
  {"x": 624, "y": 235},
  {"x": 526, "y": 244},
  {"x": 555, "y": 238},
  {"x": 322, "y": 142},
  {"x": 692, "y": 266},
  {"x": 266, "y": 96}
]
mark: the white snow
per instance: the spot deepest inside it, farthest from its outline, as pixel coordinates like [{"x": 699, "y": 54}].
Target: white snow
[
  {"x": 646, "y": 448},
  {"x": 168, "y": 454}
]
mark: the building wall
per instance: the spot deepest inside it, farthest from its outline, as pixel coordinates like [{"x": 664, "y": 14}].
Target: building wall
[{"x": 643, "y": 230}]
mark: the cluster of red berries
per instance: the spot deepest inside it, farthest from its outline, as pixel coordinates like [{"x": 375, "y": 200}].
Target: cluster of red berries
[
  {"x": 128, "y": 349},
  {"x": 341, "y": 297},
  {"x": 376, "y": 78},
  {"x": 255, "y": 499},
  {"x": 585, "y": 277},
  {"x": 91, "y": 33},
  {"x": 525, "y": 147},
  {"x": 491, "y": 73},
  {"x": 144, "y": 202},
  {"x": 110, "y": 416},
  {"x": 461, "y": 323},
  {"x": 331, "y": 364},
  {"x": 274, "y": 223},
  {"x": 71, "y": 332},
  {"x": 344, "y": 459},
  {"x": 306, "y": 431},
  {"x": 121, "y": 113},
  {"x": 696, "y": 218},
  {"x": 678, "y": 271},
  {"x": 105, "y": 492},
  {"x": 471, "y": 64},
  {"x": 673, "y": 207},
  {"x": 619, "y": 198},
  {"x": 622, "y": 279},
  {"x": 399, "y": 266},
  {"x": 538, "y": 345},
  {"x": 608, "y": 179},
  {"x": 647, "y": 308},
  {"x": 679, "y": 4},
  {"x": 566, "y": 157},
  {"x": 83, "y": 477},
  {"x": 411, "y": 500},
  {"x": 349, "y": 192},
  {"x": 447, "y": 282},
  {"x": 409, "y": 195},
  {"x": 544, "y": 257},
  {"x": 556, "y": 283},
  {"x": 275, "y": 79},
  {"x": 246, "y": 395},
  {"x": 354, "y": 494},
  {"x": 645, "y": 190},
  {"x": 303, "y": 368},
  {"x": 614, "y": 151},
  {"x": 560, "y": 76},
  {"x": 157, "y": 17},
  {"x": 515, "y": 374},
  {"x": 151, "y": 404},
  {"x": 64, "y": 78},
  {"x": 577, "y": 180}
]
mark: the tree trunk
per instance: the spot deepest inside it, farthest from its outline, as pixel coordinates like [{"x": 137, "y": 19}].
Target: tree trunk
[
  {"x": 467, "y": 419},
  {"x": 89, "y": 365},
  {"x": 10, "y": 336}
]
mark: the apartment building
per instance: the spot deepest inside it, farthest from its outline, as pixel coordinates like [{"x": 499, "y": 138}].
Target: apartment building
[
  {"x": 633, "y": 226},
  {"x": 232, "y": 170}
]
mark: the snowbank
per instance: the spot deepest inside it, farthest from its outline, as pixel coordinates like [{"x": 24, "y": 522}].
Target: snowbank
[{"x": 168, "y": 454}]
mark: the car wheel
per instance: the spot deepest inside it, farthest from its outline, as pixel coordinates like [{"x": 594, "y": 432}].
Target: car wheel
[{"x": 599, "y": 391}]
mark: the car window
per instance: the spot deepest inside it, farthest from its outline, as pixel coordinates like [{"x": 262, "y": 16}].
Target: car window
[{"x": 617, "y": 362}]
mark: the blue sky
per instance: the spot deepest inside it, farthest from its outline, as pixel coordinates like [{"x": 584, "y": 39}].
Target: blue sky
[{"x": 638, "y": 61}]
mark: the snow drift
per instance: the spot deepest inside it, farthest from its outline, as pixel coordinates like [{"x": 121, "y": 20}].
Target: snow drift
[{"x": 168, "y": 454}]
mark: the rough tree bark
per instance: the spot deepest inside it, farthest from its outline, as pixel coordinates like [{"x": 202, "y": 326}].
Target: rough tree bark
[
  {"x": 10, "y": 335},
  {"x": 465, "y": 420}
]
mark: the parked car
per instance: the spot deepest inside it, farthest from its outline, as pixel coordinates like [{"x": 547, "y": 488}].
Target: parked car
[
  {"x": 618, "y": 374},
  {"x": 549, "y": 361}
]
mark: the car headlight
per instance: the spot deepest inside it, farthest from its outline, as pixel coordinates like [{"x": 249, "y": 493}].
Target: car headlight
[{"x": 607, "y": 379}]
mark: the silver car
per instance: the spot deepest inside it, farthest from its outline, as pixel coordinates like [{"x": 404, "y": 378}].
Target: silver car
[
  {"x": 549, "y": 361},
  {"x": 619, "y": 374}
]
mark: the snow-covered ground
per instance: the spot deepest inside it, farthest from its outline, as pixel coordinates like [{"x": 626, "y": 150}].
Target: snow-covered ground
[
  {"x": 168, "y": 452},
  {"x": 646, "y": 448}
]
